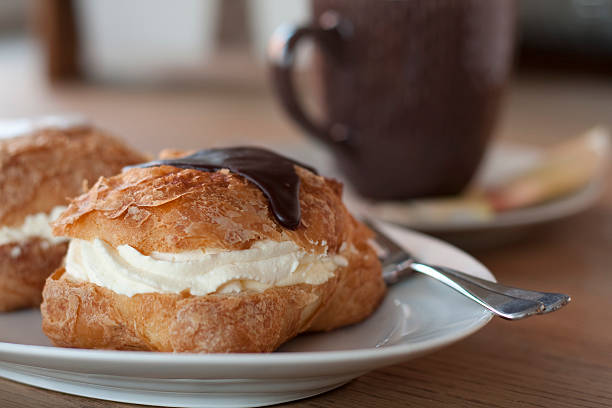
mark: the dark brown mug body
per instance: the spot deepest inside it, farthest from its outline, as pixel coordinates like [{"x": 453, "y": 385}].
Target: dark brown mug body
[{"x": 414, "y": 89}]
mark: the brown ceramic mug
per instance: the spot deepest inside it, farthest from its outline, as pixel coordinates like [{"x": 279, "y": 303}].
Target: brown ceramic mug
[{"x": 411, "y": 88}]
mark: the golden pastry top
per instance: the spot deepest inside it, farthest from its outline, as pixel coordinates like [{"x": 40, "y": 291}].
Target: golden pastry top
[{"x": 168, "y": 209}]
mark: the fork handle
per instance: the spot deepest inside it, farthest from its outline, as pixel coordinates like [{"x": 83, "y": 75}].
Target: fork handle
[
  {"x": 551, "y": 301},
  {"x": 503, "y": 305}
]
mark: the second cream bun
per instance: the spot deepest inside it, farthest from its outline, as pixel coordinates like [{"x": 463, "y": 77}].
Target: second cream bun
[{"x": 38, "y": 172}]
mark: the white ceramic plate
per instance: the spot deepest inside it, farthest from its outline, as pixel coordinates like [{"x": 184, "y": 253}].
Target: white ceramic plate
[{"x": 417, "y": 316}]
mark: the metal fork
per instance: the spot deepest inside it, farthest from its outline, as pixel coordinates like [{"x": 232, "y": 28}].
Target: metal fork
[{"x": 504, "y": 301}]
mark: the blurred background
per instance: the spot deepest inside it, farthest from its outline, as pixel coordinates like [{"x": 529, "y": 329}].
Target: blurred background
[
  {"x": 193, "y": 74},
  {"x": 194, "y": 70}
]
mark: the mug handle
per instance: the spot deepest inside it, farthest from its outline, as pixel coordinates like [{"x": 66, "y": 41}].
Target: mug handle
[{"x": 329, "y": 34}]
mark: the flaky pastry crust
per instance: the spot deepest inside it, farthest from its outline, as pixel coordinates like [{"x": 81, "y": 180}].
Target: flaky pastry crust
[
  {"x": 41, "y": 170},
  {"x": 168, "y": 209},
  {"x": 38, "y": 172}
]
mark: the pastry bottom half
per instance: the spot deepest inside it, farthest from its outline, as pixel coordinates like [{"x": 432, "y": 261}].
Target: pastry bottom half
[
  {"x": 24, "y": 267},
  {"x": 85, "y": 315}
]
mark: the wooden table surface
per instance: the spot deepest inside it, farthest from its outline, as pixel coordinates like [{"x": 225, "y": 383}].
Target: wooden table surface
[{"x": 559, "y": 360}]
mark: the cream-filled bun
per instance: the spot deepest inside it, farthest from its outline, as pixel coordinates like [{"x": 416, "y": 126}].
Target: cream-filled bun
[
  {"x": 177, "y": 259},
  {"x": 42, "y": 162}
]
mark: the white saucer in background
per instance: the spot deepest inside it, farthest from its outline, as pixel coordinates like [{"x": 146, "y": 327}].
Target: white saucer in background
[
  {"x": 14, "y": 127},
  {"x": 502, "y": 159}
]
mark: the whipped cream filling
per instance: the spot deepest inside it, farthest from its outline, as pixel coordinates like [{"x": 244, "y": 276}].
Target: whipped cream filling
[
  {"x": 267, "y": 263},
  {"x": 34, "y": 225}
]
